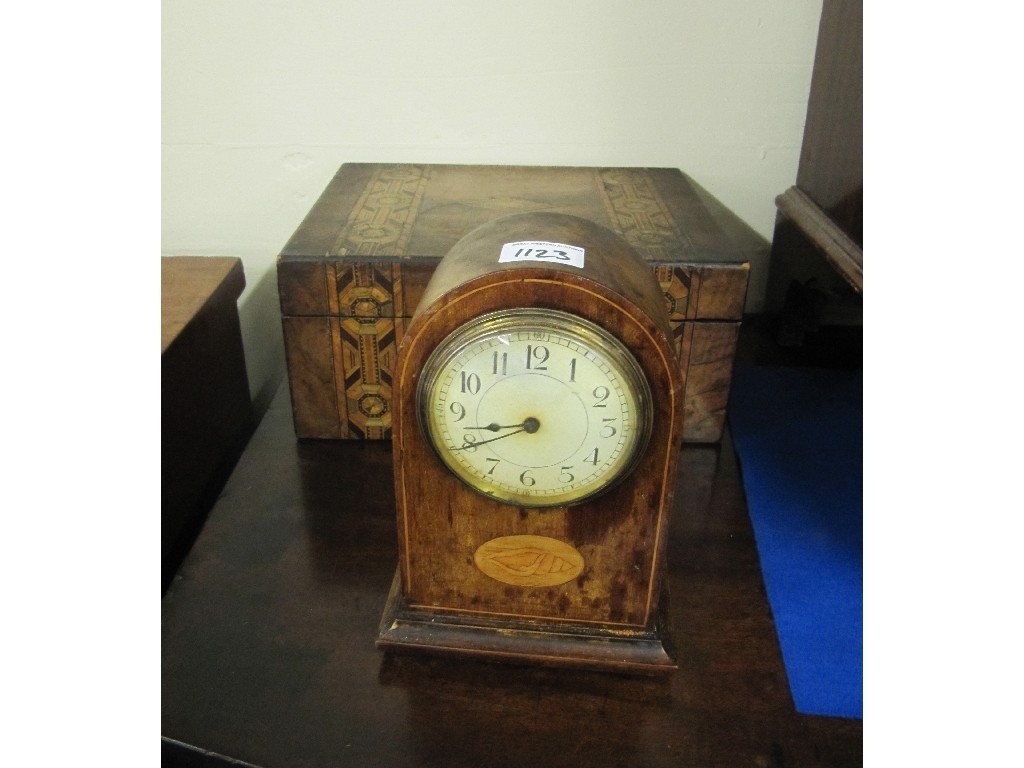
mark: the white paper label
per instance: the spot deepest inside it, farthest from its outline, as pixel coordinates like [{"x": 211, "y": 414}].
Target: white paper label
[{"x": 540, "y": 250}]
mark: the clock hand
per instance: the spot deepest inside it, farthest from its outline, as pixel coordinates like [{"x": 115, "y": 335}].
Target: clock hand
[
  {"x": 530, "y": 425},
  {"x": 485, "y": 442}
]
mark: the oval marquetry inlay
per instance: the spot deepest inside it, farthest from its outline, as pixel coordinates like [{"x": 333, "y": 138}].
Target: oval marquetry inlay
[{"x": 529, "y": 561}]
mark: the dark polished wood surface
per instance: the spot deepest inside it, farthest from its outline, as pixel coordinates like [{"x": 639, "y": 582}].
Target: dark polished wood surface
[
  {"x": 269, "y": 629},
  {"x": 803, "y": 282},
  {"x": 206, "y": 414}
]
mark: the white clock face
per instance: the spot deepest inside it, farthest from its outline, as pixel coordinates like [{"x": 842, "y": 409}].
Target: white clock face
[{"x": 535, "y": 407}]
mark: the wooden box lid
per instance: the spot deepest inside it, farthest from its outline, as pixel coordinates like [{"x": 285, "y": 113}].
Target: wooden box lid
[{"x": 409, "y": 216}]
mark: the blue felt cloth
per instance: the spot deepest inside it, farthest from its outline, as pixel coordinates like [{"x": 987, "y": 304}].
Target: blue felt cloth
[{"x": 798, "y": 434}]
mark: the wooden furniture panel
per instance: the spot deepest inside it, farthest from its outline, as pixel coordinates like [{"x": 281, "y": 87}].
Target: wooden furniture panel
[
  {"x": 709, "y": 350},
  {"x": 206, "y": 413},
  {"x": 309, "y": 352},
  {"x": 816, "y": 275}
]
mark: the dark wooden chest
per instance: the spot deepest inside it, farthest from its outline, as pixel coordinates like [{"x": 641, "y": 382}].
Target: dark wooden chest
[{"x": 351, "y": 275}]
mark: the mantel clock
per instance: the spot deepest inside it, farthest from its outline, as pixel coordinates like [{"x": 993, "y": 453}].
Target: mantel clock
[{"x": 536, "y": 429}]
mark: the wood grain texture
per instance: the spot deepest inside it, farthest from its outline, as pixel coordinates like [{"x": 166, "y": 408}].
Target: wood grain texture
[
  {"x": 610, "y": 261},
  {"x": 206, "y": 414},
  {"x": 312, "y": 356},
  {"x": 845, "y": 256},
  {"x": 303, "y": 289},
  {"x": 370, "y": 244},
  {"x": 188, "y": 284},
  {"x": 400, "y": 211},
  {"x": 802, "y": 285},
  {"x": 831, "y": 168},
  {"x": 709, "y": 350},
  {"x": 722, "y": 293},
  {"x": 621, "y": 534}
]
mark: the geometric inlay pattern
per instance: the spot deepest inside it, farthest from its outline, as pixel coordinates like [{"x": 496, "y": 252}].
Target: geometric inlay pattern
[
  {"x": 382, "y": 219},
  {"x": 368, "y": 349},
  {"x": 675, "y": 285},
  {"x": 639, "y": 215}
]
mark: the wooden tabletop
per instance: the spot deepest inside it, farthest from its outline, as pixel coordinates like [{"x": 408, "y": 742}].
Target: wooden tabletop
[
  {"x": 188, "y": 283},
  {"x": 269, "y": 629}
]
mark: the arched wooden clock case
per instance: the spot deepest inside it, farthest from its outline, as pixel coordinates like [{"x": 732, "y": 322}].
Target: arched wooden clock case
[{"x": 576, "y": 585}]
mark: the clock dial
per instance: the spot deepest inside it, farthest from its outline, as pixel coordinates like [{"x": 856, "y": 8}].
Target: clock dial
[{"x": 535, "y": 407}]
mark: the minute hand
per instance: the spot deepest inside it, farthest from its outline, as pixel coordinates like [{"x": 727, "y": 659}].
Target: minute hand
[{"x": 485, "y": 442}]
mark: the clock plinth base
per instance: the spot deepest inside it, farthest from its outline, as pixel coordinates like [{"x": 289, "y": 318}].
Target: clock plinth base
[{"x": 521, "y": 642}]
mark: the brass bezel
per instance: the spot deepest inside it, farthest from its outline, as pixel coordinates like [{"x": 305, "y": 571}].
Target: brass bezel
[{"x": 584, "y": 332}]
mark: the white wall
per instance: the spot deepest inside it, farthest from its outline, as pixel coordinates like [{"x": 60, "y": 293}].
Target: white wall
[{"x": 264, "y": 99}]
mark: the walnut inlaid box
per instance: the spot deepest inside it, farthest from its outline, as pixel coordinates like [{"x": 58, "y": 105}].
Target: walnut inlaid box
[{"x": 353, "y": 272}]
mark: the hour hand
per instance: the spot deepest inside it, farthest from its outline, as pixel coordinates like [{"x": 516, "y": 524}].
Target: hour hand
[
  {"x": 529, "y": 425},
  {"x": 494, "y": 427}
]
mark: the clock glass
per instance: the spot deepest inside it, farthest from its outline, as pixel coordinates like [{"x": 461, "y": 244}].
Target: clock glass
[{"x": 535, "y": 407}]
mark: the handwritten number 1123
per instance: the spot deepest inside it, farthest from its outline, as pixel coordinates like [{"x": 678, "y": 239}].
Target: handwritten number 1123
[{"x": 541, "y": 253}]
